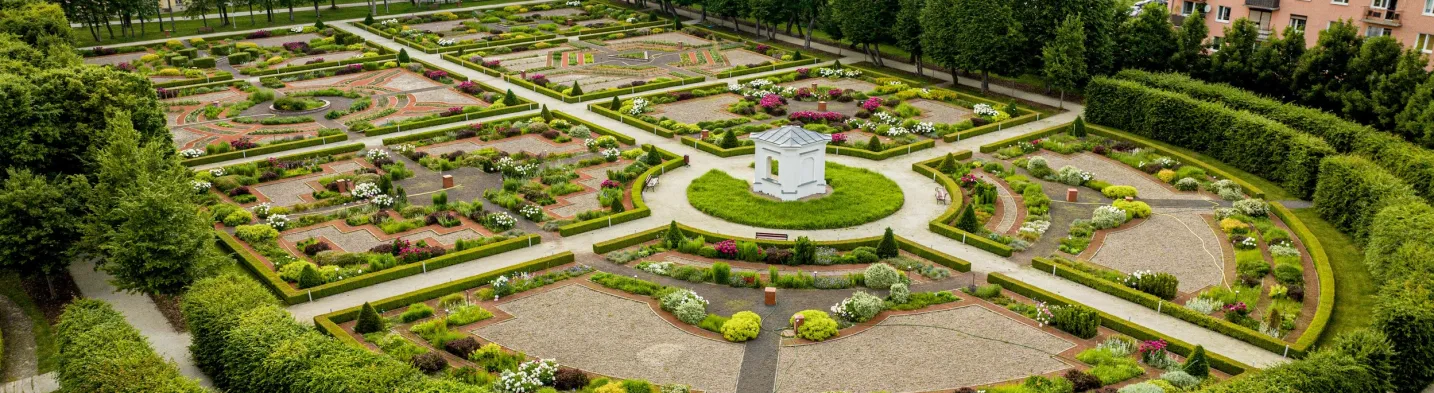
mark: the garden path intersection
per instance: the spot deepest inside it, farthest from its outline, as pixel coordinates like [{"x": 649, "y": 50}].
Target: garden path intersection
[{"x": 668, "y": 202}]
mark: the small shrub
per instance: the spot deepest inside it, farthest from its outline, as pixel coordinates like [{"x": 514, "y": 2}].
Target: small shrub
[
  {"x": 816, "y": 325},
  {"x": 881, "y": 276},
  {"x": 899, "y": 293},
  {"x": 860, "y": 307},
  {"x": 1119, "y": 192},
  {"x": 1080, "y": 381},
  {"x": 1187, "y": 184},
  {"x": 742, "y": 326},
  {"x": 416, "y": 312},
  {"x": 430, "y": 362},
  {"x": 1080, "y": 321},
  {"x": 988, "y": 292},
  {"x": 461, "y": 347},
  {"x": 568, "y": 378},
  {"x": 1133, "y": 209}
]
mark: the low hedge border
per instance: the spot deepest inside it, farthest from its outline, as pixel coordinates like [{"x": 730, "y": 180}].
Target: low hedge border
[
  {"x": 1323, "y": 269},
  {"x": 769, "y": 67},
  {"x": 1120, "y": 135},
  {"x": 489, "y": 71},
  {"x": 443, "y": 131},
  {"x": 939, "y": 225},
  {"x": 290, "y": 296},
  {"x": 221, "y": 77},
  {"x": 188, "y": 90},
  {"x": 1174, "y": 309},
  {"x": 941, "y": 258},
  {"x": 327, "y": 64},
  {"x": 1001, "y": 144},
  {"x": 299, "y": 144},
  {"x": 602, "y": 109},
  {"x": 479, "y": 45},
  {"x": 1222, "y": 363},
  {"x": 600, "y": 94},
  {"x": 634, "y": 26},
  {"x": 467, "y": 116},
  {"x": 329, "y": 323}
]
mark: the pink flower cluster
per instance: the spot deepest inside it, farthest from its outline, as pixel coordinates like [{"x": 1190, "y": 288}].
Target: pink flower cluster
[
  {"x": 491, "y": 63},
  {"x": 835, "y": 93},
  {"x": 871, "y": 104},
  {"x": 812, "y": 117},
  {"x": 803, "y": 72},
  {"x": 762, "y": 49},
  {"x": 802, "y": 93},
  {"x": 1036, "y": 142},
  {"x": 436, "y": 74},
  {"x": 968, "y": 180},
  {"x": 611, "y": 184},
  {"x": 726, "y": 248},
  {"x": 296, "y": 46},
  {"x": 453, "y": 111},
  {"x": 259, "y": 34},
  {"x": 1153, "y": 346},
  {"x": 469, "y": 87},
  {"x": 838, "y": 138},
  {"x": 1238, "y": 307},
  {"x": 770, "y": 101}
]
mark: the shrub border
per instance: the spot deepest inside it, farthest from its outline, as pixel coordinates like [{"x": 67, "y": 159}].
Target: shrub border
[
  {"x": 290, "y": 296},
  {"x": 940, "y": 258},
  {"x": 1222, "y": 363},
  {"x": 266, "y": 149},
  {"x": 938, "y": 225},
  {"x": 329, "y": 323}
]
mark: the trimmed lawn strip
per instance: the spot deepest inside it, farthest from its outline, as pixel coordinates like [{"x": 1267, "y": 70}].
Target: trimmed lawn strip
[
  {"x": 1354, "y": 287},
  {"x": 858, "y": 196}
]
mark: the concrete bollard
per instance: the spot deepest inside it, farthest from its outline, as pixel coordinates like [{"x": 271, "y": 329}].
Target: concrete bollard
[
  {"x": 771, "y": 299},
  {"x": 1071, "y": 194},
  {"x": 447, "y": 181}
]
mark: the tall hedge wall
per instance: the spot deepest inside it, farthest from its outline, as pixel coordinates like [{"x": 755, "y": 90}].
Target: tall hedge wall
[
  {"x": 1406, "y": 160},
  {"x": 1400, "y": 242},
  {"x": 100, "y": 352},
  {"x": 210, "y": 308},
  {"x": 1352, "y": 190},
  {"x": 1245, "y": 140},
  {"x": 1405, "y": 313}
]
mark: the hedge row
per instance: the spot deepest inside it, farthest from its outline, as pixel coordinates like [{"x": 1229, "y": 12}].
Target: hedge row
[
  {"x": 253, "y": 345},
  {"x": 1222, "y": 363},
  {"x": 1399, "y": 242},
  {"x": 998, "y": 145},
  {"x": 769, "y": 67},
  {"x": 222, "y": 76},
  {"x": 479, "y": 45},
  {"x": 939, "y": 225},
  {"x": 1165, "y": 150},
  {"x": 290, "y": 295},
  {"x": 1247, "y": 141},
  {"x": 518, "y": 80},
  {"x": 341, "y": 149},
  {"x": 326, "y": 64},
  {"x": 1029, "y": 117},
  {"x": 1352, "y": 190},
  {"x": 1406, "y": 160},
  {"x": 588, "y": 32},
  {"x": 1323, "y": 270},
  {"x": 376, "y": 131},
  {"x": 100, "y": 352},
  {"x": 1173, "y": 309},
  {"x": 266, "y": 149},
  {"x": 489, "y": 71},
  {"x": 329, "y": 323},
  {"x": 445, "y": 131},
  {"x": 832, "y": 149},
  {"x": 931, "y": 254}
]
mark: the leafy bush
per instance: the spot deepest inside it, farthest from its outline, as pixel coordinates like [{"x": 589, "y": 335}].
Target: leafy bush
[
  {"x": 429, "y": 362},
  {"x": 1038, "y": 167},
  {"x": 1187, "y": 184},
  {"x": 100, "y": 352},
  {"x": 1163, "y": 285},
  {"x": 1106, "y": 217},
  {"x": 258, "y": 233},
  {"x": 568, "y": 378},
  {"x": 860, "y": 307},
  {"x": 461, "y": 347},
  {"x": 1353, "y": 190},
  {"x": 1143, "y": 387},
  {"x": 1119, "y": 192},
  {"x": 415, "y": 312},
  {"x": 1133, "y": 209},
  {"x": 816, "y": 325},
  {"x": 1253, "y": 207},
  {"x": 881, "y": 276},
  {"x": 989, "y": 291},
  {"x": 466, "y": 314},
  {"x": 899, "y": 293},
  {"x": 742, "y": 326},
  {"x": 1080, "y": 321}
]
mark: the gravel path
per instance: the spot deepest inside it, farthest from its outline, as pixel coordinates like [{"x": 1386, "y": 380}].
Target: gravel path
[
  {"x": 1117, "y": 174},
  {"x": 613, "y": 336},
  {"x": 922, "y": 352},
  {"x": 1178, "y": 242},
  {"x": 699, "y": 109},
  {"x": 20, "y": 360},
  {"x": 1008, "y": 205},
  {"x": 939, "y": 112}
]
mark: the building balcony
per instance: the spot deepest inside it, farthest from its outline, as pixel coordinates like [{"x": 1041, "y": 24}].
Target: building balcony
[
  {"x": 1177, "y": 19},
  {"x": 1268, "y": 5},
  {"x": 1264, "y": 35},
  {"x": 1383, "y": 17}
]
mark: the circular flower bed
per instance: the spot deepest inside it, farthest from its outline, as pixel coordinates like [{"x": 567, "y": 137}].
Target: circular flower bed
[{"x": 858, "y": 196}]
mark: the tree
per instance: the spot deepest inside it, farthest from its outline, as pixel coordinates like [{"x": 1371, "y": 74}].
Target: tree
[
  {"x": 1102, "y": 26},
  {"x": 729, "y": 139},
  {"x": 1276, "y": 62},
  {"x": 40, "y": 222},
  {"x": 1402, "y": 312},
  {"x": 866, "y": 23},
  {"x": 729, "y": 9},
  {"x": 1148, "y": 41},
  {"x": 38, "y": 24},
  {"x": 511, "y": 99},
  {"x": 1078, "y": 128},
  {"x": 145, "y": 222},
  {"x": 1323, "y": 71},
  {"x": 309, "y": 277},
  {"x": 1236, "y": 62},
  {"x": 653, "y": 157},
  {"x": 1197, "y": 364},
  {"x": 1389, "y": 93},
  {"x": 1064, "y": 57},
  {"x": 967, "y": 222},
  {"x": 1190, "y": 45},
  {"x": 368, "y": 320},
  {"x": 368, "y": 19},
  {"x": 673, "y": 237},
  {"x": 403, "y": 56},
  {"x": 948, "y": 165},
  {"x": 887, "y": 247},
  {"x": 319, "y": 24},
  {"x": 1416, "y": 120},
  {"x": 1378, "y": 57},
  {"x": 939, "y": 40},
  {"x": 907, "y": 30},
  {"x": 988, "y": 38},
  {"x": 577, "y": 90},
  {"x": 615, "y": 104},
  {"x": 874, "y": 144},
  {"x": 617, "y": 206},
  {"x": 547, "y": 116},
  {"x": 804, "y": 252}
]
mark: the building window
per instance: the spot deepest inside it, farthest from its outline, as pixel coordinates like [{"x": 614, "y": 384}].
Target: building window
[
  {"x": 1380, "y": 4},
  {"x": 1222, "y": 14},
  {"x": 1188, "y": 7},
  {"x": 1425, "y": 43},
  {"x": 1340, "y": 2},
  {"x": 1298, "y": 22},
  {"x": 1375, "y": 31},
  {"x": 1428, "y": 7},
  {"x": 1217, "y": 42}
]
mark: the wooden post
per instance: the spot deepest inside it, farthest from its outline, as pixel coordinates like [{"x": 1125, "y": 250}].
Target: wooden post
[
  {"x": 771, "y": 296},
  {"x": 1071, "y": 194},
  {"x": 447, "y": 181}
]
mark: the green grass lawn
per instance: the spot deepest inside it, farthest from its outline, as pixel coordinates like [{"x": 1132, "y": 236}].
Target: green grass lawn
[
  {"x": 303, "y": 16},
  {"x": 1353, "y": 287},
  {"x": 45, "y": 347},
  {"x": 858, "y": 196}
]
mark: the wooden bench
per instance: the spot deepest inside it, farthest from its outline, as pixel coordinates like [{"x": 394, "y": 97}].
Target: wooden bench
[
  {"x": 771, "y": 236},
  {"x": 651, "y": 184}
]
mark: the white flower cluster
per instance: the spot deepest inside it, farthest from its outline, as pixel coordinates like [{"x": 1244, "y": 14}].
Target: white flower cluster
[
  {"x": 658, "y": 268},
  {"x": 404, "y": 148},
  {"x": 1037, "y": 227},
  {"x": 502, "y": 219},
  {"x": 887, "y": 118},
  {"x": 216, "y": 172},
  {"x": 1249, "y": 242},
  {"x": 897, "y": 131},
  {"x": 446, "y": 42},
  {"x": 924, "y": 127},
  {"x": 1134, "y": 277},
  {"x": 200, "y": 185},
  {"x": 530, "y": 376},
  {"x": 639, "y": 106},
  {"x": 262, "y": 210},
  {"x": 1204, "y": 305},
  {"x": 514, "y": 169},
  {"x": 297, "y": 29},
  {"x": 1167, "y": 162},
  {"x": 1044, "y": 315},
  {"x": 191, "y": 153},
  {"x": 278, "y": 221},
  {"x": 759, "y": 88},
  {"x": 531, "y": 212},
  {"x": 828, "y": 72},
  {"x": 375, "y": 154},
  {"x": 631, "y": 20},
  {"x": 365, "y": 190},
  {"x": 574, "y": 3},
  {"x": 589, "y": 143},
  {"x": 984, "y": 110},
  {"x": 382, "y": 201},
  {"x": 389, "y": 22},
  {"x": 611, "y": 154}
]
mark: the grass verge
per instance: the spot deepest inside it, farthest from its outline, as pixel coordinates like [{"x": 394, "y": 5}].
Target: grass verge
[
  {"x": 858, "y": 196},
  {"x": 1353, "y": 286}
]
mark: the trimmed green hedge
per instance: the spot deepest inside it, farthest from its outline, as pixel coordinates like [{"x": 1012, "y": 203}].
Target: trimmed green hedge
[
  {"x": 1173, "y": 309},
  {"x": 349, "y": 148},
  {"x": 941, "y": 258},
  {"x": 1352, "y": 190},
  {"x": 939, "y": 225},
  {"x": 376, "y": 131},
  {"x": 1399, "y": 242},
  {"x": 221, "y": 77},
  {"x": 290, "y": 295},
  {"x": 1245, "y": 140},
  {"x": 100, "y": 352},
  {"x": 602, "y": 109},
  {"x": 634, "y": 26},
  {"x": 329, "y": 323},
  {"x": 1222, "y": 363},
  {"x": 1030, "y": 116},
  {"x": 266, "y": 149},
  {"x": 326, "y": 64},
  {"x": 998, "y": 145},
  {"x": 1401, "y": 158},
  {"x": 210, "y": 308}
]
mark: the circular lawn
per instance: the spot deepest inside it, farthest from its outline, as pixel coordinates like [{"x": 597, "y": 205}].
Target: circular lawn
[{"x": 858, "y": 196}]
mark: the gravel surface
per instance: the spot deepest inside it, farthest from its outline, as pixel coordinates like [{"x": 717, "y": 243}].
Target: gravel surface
[
  {"x": 699, "y": 109},
  {"x": 287, "y": 192},
  {"x": 736, "y": 57},
  {"x": 1008, "y": 205},
  {"x": 939, "y": 112},
  {"x": 20, "y": 359},
  {"x": 1116, "y": 173},
  {"x": 606, "y": 334},
  {"x": 281, "y": 40},
  {"x": 1174, "y": 241},
  {"x": 922, "y": 352},
  {"x": 672, "y": 38}
]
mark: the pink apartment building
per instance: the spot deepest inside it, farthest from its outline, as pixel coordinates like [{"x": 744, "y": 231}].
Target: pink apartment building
[{"x": 1409, "y": 21}]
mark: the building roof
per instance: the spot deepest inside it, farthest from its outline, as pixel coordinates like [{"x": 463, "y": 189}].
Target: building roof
[{"x": 791, "y": 136}]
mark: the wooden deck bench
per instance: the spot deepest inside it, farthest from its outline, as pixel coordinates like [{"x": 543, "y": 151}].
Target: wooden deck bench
[{"x": 771, "y": 236}]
